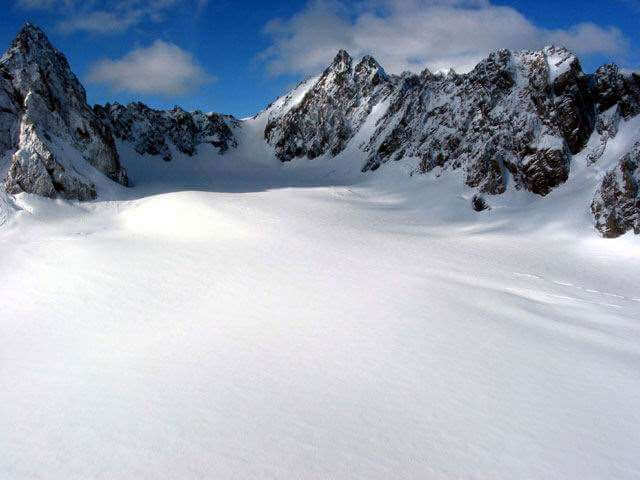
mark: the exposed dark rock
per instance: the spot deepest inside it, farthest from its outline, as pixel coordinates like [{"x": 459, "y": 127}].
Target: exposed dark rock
[
  {"x": 612, "y": 88},
  {"x": 545, "y": 169},
  {"x": 153, "y": 131},
  {"x": 518, "y": 115},
  {"x": 574, "y": 115},
  {"x": 616, "y": 204},
  {"x": 331, "y": 112},
  {"x": 479, "y": 204}
]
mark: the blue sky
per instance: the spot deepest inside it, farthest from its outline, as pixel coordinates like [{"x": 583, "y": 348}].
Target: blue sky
[{"x": 236, "y": 57}]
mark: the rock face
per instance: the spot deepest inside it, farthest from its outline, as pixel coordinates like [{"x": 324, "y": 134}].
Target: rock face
[
  {"x": 153, "y": 132},
  {"x": 518, "y": 115},
  {"x": 508, "y": 117},
  {"x": 51, "y": 133},
  {"x": 47, "y": 125},
  {"x": 517, "y": 118},
  {"x": 616, "y": 204},
  {"x": 332, "y": 111},
  {"x": 614, "y": 89}
]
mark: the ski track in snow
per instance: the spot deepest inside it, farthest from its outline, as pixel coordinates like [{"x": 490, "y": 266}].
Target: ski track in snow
[
  {"x": 572, "y": 286},
  {"x": 302, "y": 321}
]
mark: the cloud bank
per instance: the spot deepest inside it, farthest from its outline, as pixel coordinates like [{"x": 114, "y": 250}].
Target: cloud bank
[
  {"x": 414, "y": 34},
  {"x": 162, "y": 69},
  {"x": 108, "y": 17}
]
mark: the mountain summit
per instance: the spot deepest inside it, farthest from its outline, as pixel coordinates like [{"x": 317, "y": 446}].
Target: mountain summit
[{"x": 47, "y": 122}]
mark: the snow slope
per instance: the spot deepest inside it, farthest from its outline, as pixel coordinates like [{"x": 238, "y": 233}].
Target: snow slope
[{"x": 231, "y": 317}]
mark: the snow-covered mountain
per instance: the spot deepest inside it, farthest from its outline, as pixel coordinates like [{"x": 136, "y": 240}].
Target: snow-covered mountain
[
  {"x": 516, "y": 121},
  {"x": 153, "y": 131},
  {"x": 52, "y": 135}
]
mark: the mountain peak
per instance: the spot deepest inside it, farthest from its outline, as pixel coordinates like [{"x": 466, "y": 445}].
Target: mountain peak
[
  {"x": 368, "y": 68},
  {"x": 33, "y": 60},
  {"x": 29, "y": 38},
  {"x": 32, "y": 47},
  {"x": 31, "y": 29},
  {"x": 342, "y": 55},
  {"x": 52, "y": 106},
  {"x": 342, "y": 61},
  {"x": 369, "y": 62},
  {"x": 557, "y": 50}
]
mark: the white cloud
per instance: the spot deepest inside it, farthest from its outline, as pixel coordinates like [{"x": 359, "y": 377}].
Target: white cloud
[
  {"x": 110, "y": 16},
  {"x": 100, "y": 22},
  {"x": 590, "y": 38},
  {"x": 413, "y": 34},
  {"x": 162, "y": 68}
]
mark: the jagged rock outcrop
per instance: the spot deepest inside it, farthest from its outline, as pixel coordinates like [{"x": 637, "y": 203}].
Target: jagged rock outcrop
[
  {"x": 479, "y": 204},
  {"x": 502, "y": 118},
  {"x": 616, "y": 204},
  {"x": 153, "y": 131},
  {"x": 47, "y": 125},
  {"x": 517, "y": 117},
  {"x": 516, "y": 114},
  {"x": 613, "y": 88},
  {"x": 617, "y": 97},
  {"x": 332, "y": 111}
]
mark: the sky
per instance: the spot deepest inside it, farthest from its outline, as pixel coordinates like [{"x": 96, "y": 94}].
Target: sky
[{"x": 237, "y": 56}]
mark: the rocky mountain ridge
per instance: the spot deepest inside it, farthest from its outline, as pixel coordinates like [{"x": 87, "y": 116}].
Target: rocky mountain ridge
[
  {"x": 46, "y": 124},
  {"x": 332, "y": 111},
  {"x": 153, "y": 131},
  {"x": 51, "y": 134},
  {"x": 515, "y": 121}
]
